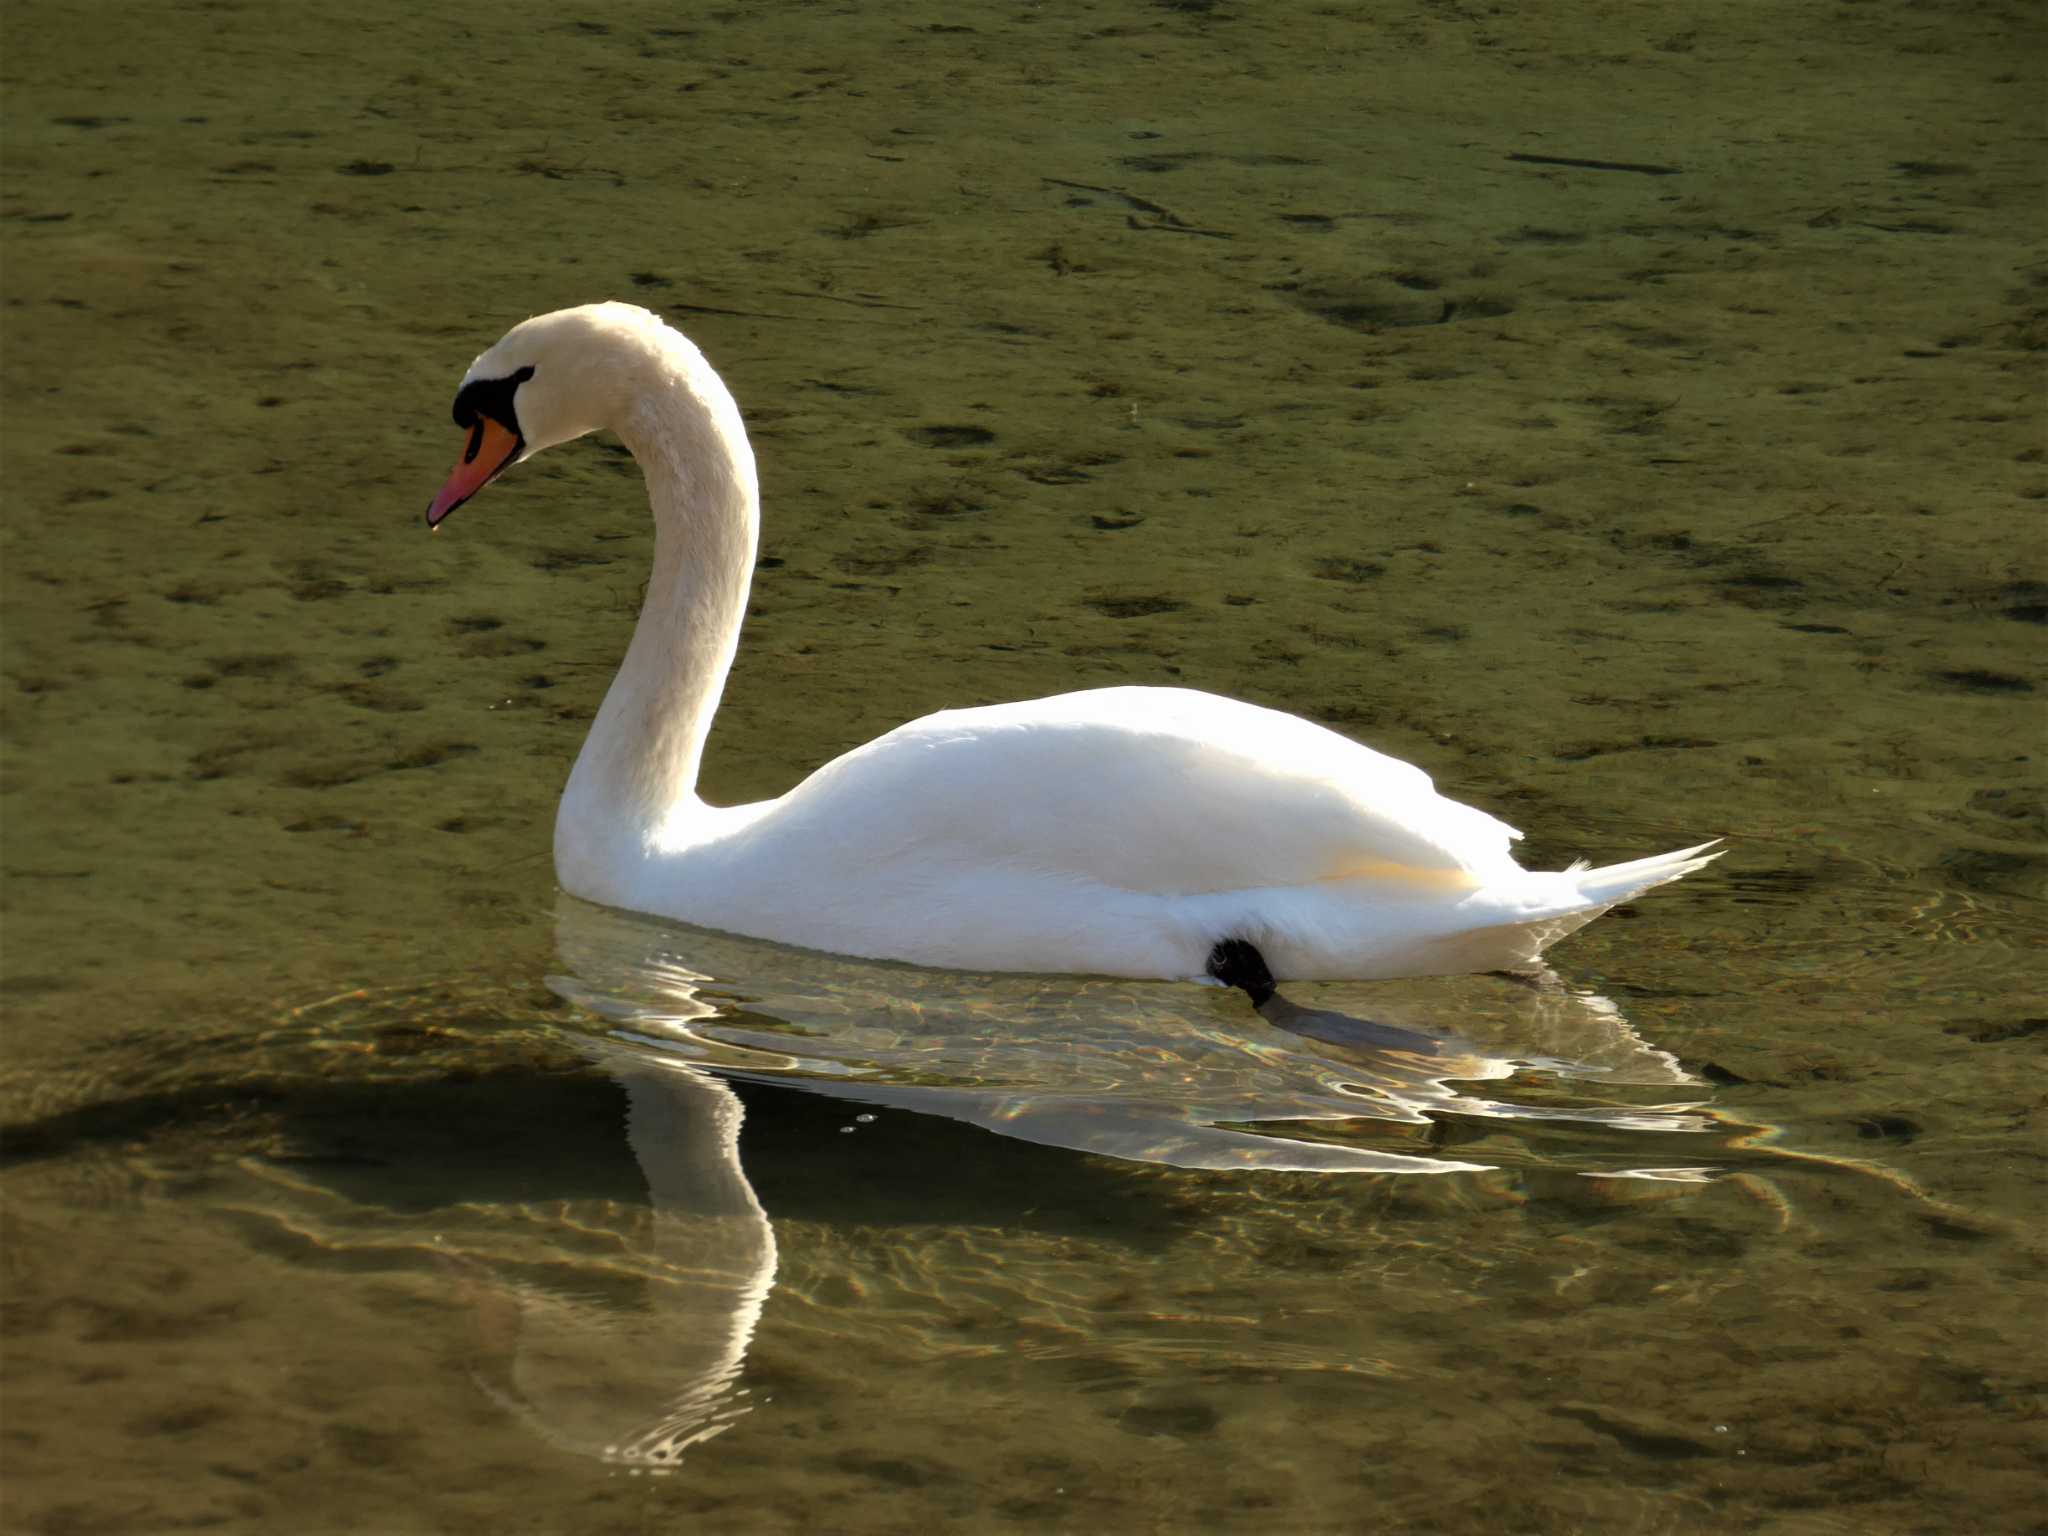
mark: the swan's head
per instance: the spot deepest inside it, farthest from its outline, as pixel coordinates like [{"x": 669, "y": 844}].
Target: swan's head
[{"x": 548, "y": 380}]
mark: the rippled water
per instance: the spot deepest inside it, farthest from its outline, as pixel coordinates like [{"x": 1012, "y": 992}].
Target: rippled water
[{"x": 354, "y": 1181}]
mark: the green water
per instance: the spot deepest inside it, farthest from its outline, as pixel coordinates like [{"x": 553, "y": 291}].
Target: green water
[{"x": 355, "y": 1184}]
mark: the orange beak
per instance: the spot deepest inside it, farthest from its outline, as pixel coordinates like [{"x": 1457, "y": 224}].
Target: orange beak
[{"x": 492, "y": 446}]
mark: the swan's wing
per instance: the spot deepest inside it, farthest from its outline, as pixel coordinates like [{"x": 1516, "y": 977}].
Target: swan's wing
[{"x": 1161, "y": 790}]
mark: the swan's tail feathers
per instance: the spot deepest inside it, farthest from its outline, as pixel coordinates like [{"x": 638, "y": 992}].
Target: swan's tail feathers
[
  {"x": 1565, "y": 902},
  {"x": 1617, "y": 882}
]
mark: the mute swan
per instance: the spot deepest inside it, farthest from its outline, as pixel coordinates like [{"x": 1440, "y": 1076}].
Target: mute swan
[{"x": 1144, "y": 832}]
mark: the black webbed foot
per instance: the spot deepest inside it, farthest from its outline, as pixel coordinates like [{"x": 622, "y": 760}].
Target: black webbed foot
[{"x": 1238, "y": 963}]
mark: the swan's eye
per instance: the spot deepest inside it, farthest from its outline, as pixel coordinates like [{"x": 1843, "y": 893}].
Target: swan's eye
[{"x": 491, "y": 398}]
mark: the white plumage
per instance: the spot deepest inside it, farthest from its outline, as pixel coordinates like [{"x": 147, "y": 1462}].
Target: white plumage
[{"x": 1122, "y": 831}]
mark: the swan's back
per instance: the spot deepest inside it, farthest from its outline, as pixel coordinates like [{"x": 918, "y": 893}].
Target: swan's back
[{"x": 1159, "y": 791}]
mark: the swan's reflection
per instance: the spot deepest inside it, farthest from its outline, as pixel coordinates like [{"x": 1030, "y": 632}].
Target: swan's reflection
[
  {"x": 1153, "y": 1073},
  {"x": 702, "y": 1263},
  {"x": 1157, "y": 1074}
]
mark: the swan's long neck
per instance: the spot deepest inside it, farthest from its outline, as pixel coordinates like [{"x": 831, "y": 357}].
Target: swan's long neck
[{"x": 638, "y": 767}]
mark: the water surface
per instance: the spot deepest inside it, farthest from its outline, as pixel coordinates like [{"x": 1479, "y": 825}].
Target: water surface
[{"x": 355, "y": 1182}]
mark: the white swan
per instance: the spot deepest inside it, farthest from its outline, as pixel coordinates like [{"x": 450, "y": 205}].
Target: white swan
[{"x": 1119, "y": 831}]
